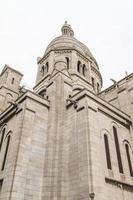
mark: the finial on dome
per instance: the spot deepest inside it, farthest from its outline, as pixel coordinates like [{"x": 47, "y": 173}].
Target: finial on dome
[{"x": 67, "y": 30}]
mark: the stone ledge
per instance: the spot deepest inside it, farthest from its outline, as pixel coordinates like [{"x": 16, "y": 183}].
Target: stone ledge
[{"x": 118, "y": 183}]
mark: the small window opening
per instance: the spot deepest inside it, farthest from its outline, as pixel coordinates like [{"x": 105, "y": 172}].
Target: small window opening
[
  {"x": 98, "y": 88},
  {"x": 42, "y": 70},
  {"x": 84, "y": 67},
  {"x": 118, "y": 150},
  {"x": 12, "y": 81},
  {"x": 109, "y": 166},
  {"x": 129, "y": 159},
  {"x": 47, "y": 67},
  {"x": 6, "y": 151},
  {"x": 67, "y": 60},
  {"x": 93, "y": 82},
  {"x": 78, "y": 66},
  {"x": 2, "y": 138}
]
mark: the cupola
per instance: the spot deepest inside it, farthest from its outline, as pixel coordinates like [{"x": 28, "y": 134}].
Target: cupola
[{"x": 67, "y": 30}]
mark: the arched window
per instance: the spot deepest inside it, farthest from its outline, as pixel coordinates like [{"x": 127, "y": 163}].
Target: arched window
[
  {"x": 93, "y": 82},
  {"x": 47, "y": 67},
  {"x": 2, "y": 138},
  {"x": 118, "y": 150},
  {"x": 129, "y": 159},
  {"x": 67, "y": 60},
  {"x": 78, "y": 66},
  {"x": 84, "y": 67},
  {"x": 98, "y": 88},
  {"x": 109, "y": 166},
  {"x": 6, "y": 151},
  {"x": 42, "y": 70},
  {"x": 12, "y": 81}
]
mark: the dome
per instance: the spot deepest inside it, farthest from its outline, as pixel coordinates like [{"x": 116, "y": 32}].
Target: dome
[{"x": 67, "y": 41}]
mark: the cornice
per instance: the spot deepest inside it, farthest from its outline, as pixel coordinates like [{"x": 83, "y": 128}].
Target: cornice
[
  {"x": 89, "y": 58},
  {"x": 2, "y": 86},
  {"x": 103, "y": 106},
  {"x": 110, "y": 88},
  {"x": 45, "y": 77},
  {"x": 12, "y": 110},
  {"x": 7, "y": 67},
  {"x": 118, "y": 183}
]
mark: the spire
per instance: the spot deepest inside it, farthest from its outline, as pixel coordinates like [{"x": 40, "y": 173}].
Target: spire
[{"x": 67, "y": 30}]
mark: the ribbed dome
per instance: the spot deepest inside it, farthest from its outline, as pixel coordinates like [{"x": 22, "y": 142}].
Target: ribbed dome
[{"x": 67, "y": 41}]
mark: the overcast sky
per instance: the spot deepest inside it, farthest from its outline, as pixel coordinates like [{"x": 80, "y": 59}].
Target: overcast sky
[{"x": 105, "y": 26}]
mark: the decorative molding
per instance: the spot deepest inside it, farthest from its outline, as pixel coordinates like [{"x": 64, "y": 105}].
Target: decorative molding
[
  {"x": 81, "y": 77},
  {"x": 45, "y": 77},
  {"x": 12, "y": 110},
  {"x": 127, "y": 125},
  {"x": 121, "y": 89},
  {"x": 108, "y": 109},
  {"x": 84, "y": 58},
  {"x": 114, "y": 86},
  {"x": 3, "y": 86},
  {"x": 9, "y": 114},
  {"x": 62, "y": 51}
]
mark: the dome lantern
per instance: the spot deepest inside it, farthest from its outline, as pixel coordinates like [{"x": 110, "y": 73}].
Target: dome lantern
[{"x": 67, "y": 30}]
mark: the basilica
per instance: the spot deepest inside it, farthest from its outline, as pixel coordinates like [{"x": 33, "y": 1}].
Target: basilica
[{"x": 67, "y": 139}]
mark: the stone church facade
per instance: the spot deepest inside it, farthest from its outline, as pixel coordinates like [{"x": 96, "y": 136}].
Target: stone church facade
[{"x": 66, "y": 139}]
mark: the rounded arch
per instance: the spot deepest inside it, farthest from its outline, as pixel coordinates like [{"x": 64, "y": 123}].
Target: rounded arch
[
  {"x": 113, "y": 123},
  {"x": 107, "y": 132},
  {"x": 127, "y": 142},
  {"x": 128, "y": 151},
  {"x": 8, "y": 133},
  {"x": 9, "y": 95},
  {"x": 9, "y": 98},
  {"x": 3, "y": 126},
  {"x": 77, "y": 86},
  {"x": 106, "y": 143},
  {"x": 76, "y": 90},
  {"x": 116, "y": 125},
  {"x": 117, "y": 147},
  {"x": 107, "y": 151}
]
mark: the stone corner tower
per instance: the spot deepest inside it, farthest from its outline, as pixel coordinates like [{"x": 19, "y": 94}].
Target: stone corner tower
[{"x": 9, "y": 86}]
